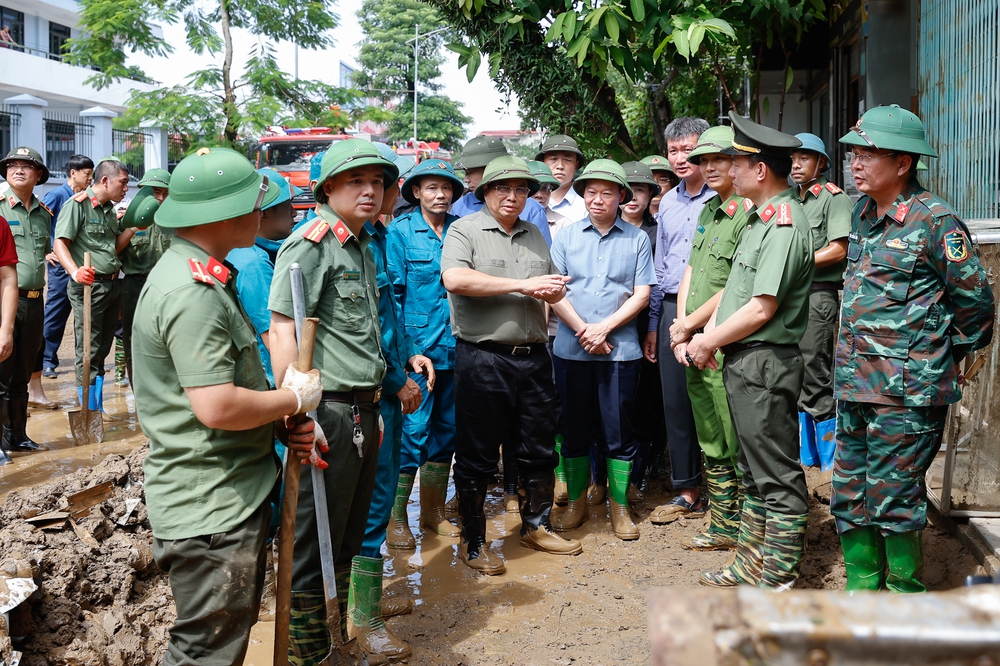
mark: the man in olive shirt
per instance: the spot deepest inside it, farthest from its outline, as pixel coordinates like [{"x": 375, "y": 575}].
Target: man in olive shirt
[
  {"x": 30, "y": 223},
  {"x": 88, "y": 223},
  {"x": 758, "y": 324},
  {"x": 497, "y": 270},
  {"x": 204, "y": 403}
]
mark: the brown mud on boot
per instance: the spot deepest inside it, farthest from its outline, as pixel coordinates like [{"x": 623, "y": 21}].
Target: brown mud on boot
[
  {"x": 433, "y": 488},
  {"x": 560, "y": 494},
  {"x": 451, "y": 507},
  {"x": 596, "y": 494},
  {"x": 473, "y": 550},
  {"x": 398, "y": 534},
  {"x": 547, "y": 541},
  {"x": 374, "y": 638},
  {"x": 536, "y": 506},
  {"x": 577, "y": 472},
  {"x": 511, "y": 502},
  {"x": 393, "y": 606},
  {"x": 480, "y": 558},
  {"x": 619, "y": 473}
]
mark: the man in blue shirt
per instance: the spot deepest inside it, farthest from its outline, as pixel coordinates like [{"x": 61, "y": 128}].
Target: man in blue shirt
[
  {"x": 414, "y": 259},
  {"x": 597, "y": 349},
  {"x": 563, "y": 157},
  {"x": 475, "y": 156}
]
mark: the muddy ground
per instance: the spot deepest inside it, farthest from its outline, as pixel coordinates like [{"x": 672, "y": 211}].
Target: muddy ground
[{"x": 108, "y": 604}]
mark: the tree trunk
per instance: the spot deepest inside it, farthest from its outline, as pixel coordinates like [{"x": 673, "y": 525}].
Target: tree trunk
[
  {"x": 660, "y": 109},
  {"x": 229, "y": 93}
]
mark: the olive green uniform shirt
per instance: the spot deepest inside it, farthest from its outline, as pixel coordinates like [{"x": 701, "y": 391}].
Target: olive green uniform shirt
[
  {"x": 188, "y": 334},
  {"x": 774, "y": 258},
  {"x": 32, "y": 237},
  {"x": 339, "y": 286},
  {"x": 91, "y": 226},
  {"x": 829, "y": 212},
  {"x": 143, "y": 251},
  {"x": 720, "y": 226},
  {"x": 477, "y": 241}
]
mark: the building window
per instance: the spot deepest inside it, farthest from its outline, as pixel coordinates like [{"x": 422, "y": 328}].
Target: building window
[
  {"x": 13, "y": 21},
  {"x": 60, "y": 142},
  {"x": 58, "y": 35}
]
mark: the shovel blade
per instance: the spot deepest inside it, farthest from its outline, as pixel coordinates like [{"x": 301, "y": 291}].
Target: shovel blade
[{"x": 86, "y": 426}]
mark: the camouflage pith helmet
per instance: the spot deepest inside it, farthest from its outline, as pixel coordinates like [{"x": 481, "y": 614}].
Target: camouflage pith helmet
[
  {"x": 156, "y": 178},
  {"x": 559, "y": 142},
  {"x": 141, "y": 210},
  {"x": 348, "y": 154},
  {"x": 890, "y": 128},
  {"x": 713, "y": 141},
  {"x": 506, "y": 167},
  {"x": 638, "y": 173},
  {"x": 480, "y": 151},
  {"x": 542, "y": 172},
  {"x": 25, "y": 154},
  {"x": 657, "y": 163},
  {"x": 607, "y": 170},
  {"x": 438, "y": 168}
]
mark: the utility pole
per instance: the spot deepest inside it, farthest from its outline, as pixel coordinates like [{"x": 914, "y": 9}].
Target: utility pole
[{"x": 416, "y": 76}]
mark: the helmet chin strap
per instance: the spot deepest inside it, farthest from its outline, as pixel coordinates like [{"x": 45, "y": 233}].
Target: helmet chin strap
[{"x": 816, "y": 172}]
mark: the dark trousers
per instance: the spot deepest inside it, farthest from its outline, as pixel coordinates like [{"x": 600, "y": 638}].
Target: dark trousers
[
  {"x": 131, "y": 288},
  {"x": 105, "y": 308},
  {"x": 16, "y": 369},
  {"x": 817, "y": 343},
  {"x": 349, "y": 481},
  {"x": 598, "y": 396},
  {"x": 682, "y": 438},
  {"x": 762, "y": 384},
  {"x": 216, "y": 580},
  {"x": 502, "y": 399},
  {"x": 57, "y": 309}
]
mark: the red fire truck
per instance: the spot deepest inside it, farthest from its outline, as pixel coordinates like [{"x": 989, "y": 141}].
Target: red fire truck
[{"x": 289, "y": 151}]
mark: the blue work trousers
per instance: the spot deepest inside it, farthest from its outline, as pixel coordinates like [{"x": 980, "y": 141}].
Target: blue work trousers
[
  {"x": 597, "y": 398},
  {"x": 386, "y": 476},
  {"x": 429, "y": 432},
  {"x": 57, "y": 309}
]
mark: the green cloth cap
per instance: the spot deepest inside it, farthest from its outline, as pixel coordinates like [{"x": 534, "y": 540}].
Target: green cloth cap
[
  {"x": 542, "y": 172},
  {"x": 559, "y": 142},
  {"x": 25, "y": 154},
  {"x": 890, "y": 128},
  {"x": 752, "y": 138},
  {"x": 607, "y": 170},
  {"x": 286, "y": 191},
  {"x": 141, "y": 210},
  {"x": 481, "y": 151},
  {"x": 438, "y": 168},
  {"x": 657, "y": 163},
  {"x": 156, "y": 178},
  {"x": 637, "y": 173},
  {"x": 212, "y": 185},
  {"x": 713, "y": 141},
  {"x": 349, "y": 154},
  {"x": 506, "y": 167},
  {"x": 404, "y": 163}
]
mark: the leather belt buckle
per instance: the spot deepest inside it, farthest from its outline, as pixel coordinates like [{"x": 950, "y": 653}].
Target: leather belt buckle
[
  {"x": 520, "y": 350},
  {"x": 378, "y": 394},
  {"x": 34, "y": 293}
]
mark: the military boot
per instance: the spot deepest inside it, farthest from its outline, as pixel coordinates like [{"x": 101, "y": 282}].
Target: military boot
[
  {"x": 784, "y": 547},
  {"x": 577, "y": 472},
  {"x": 433, "y": 490},
  {"x": 536, "y": 505},
  {"x": 724, "y": 511},
  {"x": 19, "y": 440},
  {"x": 561, "y": 494},
  {"x": 619, "y": 476},
  {"x": 904, "y": 553},
  {"x": 308, "y": 634},
  {"x": 473, "y": 549},
  {"x": 365, "y": 604},
  {"x": 864, "y": 558},
  {"x": 398, "y": 534},
  {"x": 4, "y": 431},
  {"x": 746, "y": 565},
  {"x": 393, "y": 606}
]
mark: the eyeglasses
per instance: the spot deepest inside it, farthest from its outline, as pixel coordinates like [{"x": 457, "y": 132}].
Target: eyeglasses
[
  {"x": 519, "y": 192},
  {"x": 20, "y": 166},
  {"x": 865, "y": 160},
  {"x": 546, "y": 188}
]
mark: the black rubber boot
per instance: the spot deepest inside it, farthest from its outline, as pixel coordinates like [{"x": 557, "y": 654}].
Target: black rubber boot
[
  {"x": 19, "y": 440},
  {"x": 4, "y": 431},
  {"x": 536, "y": 505},
  {"x": 472, "y": 549}
]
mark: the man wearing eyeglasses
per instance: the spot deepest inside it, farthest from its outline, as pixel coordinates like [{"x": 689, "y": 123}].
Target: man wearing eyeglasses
[
  {"x": 916, "y": 302},
  {"x": 497, "y": 270}
]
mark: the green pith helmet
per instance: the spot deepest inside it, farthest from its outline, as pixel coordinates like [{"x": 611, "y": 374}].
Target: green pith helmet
[
  {"x": 212, "y": 185},
  {"x": 156, "y": 178},
  {"x": 404, "y": 163},
  {"x": 657, "y": 163},
  {"x": 608, "y": 170},
  {"x": 438, "y": 168},
  {"x": 542, "y": 172},
  {"x": 921, "y": 165},
  {"x": 348, "y": 154},
  {"x": 712, "y": 141},
  {"x": 750, "y": 138},
  {"x": 890, "y": 128},
  {"x": 507, "y": 167},
  {"x": 480, "y": 151},
  {"x": 559, "y": 142},
  {"x": 25, "y": 154},
  {"x": 286, "y": 191},
  {"x": 141, "y": 210},
  {"x": 637, "y": 173}
]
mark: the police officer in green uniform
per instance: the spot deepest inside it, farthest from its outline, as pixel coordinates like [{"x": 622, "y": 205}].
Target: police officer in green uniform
[
  {"x": 916, "y": 302},
  {"x": 829, "y": 213},
  {"x": 88, "y": 223},
  {"x": 339, "y": 284},
  {"x": 30, "y": 222},
  {"x": 204, "y": 403},
  {"x": 758, "y": 324},
  {"x": 720, "y": 227}
]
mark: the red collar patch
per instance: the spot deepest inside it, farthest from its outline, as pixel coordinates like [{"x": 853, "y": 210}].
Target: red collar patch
[
  {"x": 747, "y": 205},
  {"x": 784, "y": 215},
  {"x": 12, "y": 201},
  {"x": 218, "y": 270},
  {"x": 901, "y": 211},
  {"x": 316, "y": 232},
  {"x": 833, "y": 188},
  {"x": 767, "y": 213},
  {"x": 199, "y": 272},
  {"x": 95, "y": 202},
  {"x": 732, "y": 208},
  {"x": 341, "y": 231},
  {"x": 816, "y": 189}
]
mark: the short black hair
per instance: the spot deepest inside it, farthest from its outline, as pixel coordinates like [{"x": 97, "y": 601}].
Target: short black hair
[
  {"x": 779, "y": 166},
  {"x": 79, "y": 163},
  {"x": 108, "y": 169}
]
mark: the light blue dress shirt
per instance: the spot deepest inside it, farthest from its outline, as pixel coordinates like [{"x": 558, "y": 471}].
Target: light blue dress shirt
[{"x": 533, "y": 212}]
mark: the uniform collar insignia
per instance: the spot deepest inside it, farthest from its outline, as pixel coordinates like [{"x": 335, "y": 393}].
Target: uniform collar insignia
[
  {"x": 12, "y": 200},
  {"x": 747, "y": 205},
  {"x": 47, "y": 209},
  {"x": 218, "y": 270},
  {"x": 95, "y": 202},
  {"x": 732, "y": 207},
  {"x": 767, "y": 213},
  {"x": 341, "y": 231},
  {"x": 316, "y": 232},
  {"x": 816, "y": 189},
  {"x": 199, "y": 272},
  {"x": 81, "y": 197},
  {"x": 901, "y": 211},
  {"x": 784, "y": 215},
  {"x": 833, "y": 188}
]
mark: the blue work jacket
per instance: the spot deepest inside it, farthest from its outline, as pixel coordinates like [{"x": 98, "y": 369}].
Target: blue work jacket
[{"x": 396, "y": 346}]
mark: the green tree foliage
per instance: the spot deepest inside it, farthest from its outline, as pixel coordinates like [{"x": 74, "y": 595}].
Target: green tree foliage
[{"x": 438, "y": 119}]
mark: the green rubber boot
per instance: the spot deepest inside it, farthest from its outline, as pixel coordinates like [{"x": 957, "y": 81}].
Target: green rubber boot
[
  {"x": 366, "y": 615},
  {"x": 433, "y": 490},
  {"x": 577, "y": 478},
  {"x": 560, "y": 494},
  {"x": 308, "y": 635},
  {"x": 864, "y": 559},
  {"x": 784, "y": 546},
  {"x": 619, "y": 475},
  {"x": 904, "y": 553},
  {"x": 398, "y": 534},
  {"x": 724, "y": 510},
  {"x": 747, "y": 564}
]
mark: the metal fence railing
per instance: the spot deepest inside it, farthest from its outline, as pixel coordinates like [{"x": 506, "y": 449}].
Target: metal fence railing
[
  {"x": 129, "y": 146},
  {"x": 65, "y": 136},
  {"x": 10, "y": 121}
]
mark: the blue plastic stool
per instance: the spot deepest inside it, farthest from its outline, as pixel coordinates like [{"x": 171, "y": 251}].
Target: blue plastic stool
[
  {"x": 807, "y": 440},
  {"x": 826, "y": 442}
]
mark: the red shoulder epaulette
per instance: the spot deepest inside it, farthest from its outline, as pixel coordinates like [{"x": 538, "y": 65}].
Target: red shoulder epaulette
[
  {"x": 198, "y": 272},
  {"x": 218, "y": 270},
  {"x": 316, "y": 232},
  {"x": 341, "y": 231},
  {"x": 767, "y": 213},
  {"x": 81, "y": 197},
  {"x": 47, "y": 209},
  {"x": 816, "y": 189},
  {"x": 732, "y": 208},
  {"x": 833, "y": 188},
  {"x": 784, "y": 215},
  {"x": 901, "y": 211},
  {"x": 747, "y": 205}
]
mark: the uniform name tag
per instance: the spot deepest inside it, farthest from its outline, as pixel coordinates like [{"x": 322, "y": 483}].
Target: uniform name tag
[{"x": 352, "y": 275}]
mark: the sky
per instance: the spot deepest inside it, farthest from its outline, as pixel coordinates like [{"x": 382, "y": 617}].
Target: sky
[{"x": 480, "y": 99}]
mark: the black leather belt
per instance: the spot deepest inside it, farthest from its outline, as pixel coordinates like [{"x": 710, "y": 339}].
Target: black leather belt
[
  {"x": 29, "y": 293},
  {"x": 826, "y": 286},
  {"x": 105, "y": 277},
  {"x": 737, "y": 347},
  {"x": 363, "y": 397},
  {"x": 140, "y": 277},
  {"x": 511, "y": 350}
]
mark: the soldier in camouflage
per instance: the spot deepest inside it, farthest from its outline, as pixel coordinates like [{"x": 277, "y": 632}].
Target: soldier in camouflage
[{"x": 916, "y": 302}]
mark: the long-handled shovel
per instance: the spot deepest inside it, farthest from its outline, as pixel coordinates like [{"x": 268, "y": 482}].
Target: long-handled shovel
[{"x": 86, "y": 425}]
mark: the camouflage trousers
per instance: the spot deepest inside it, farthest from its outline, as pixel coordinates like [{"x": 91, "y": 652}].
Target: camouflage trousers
[
  {"x": 882, "y": 455},
  {"x": 712, "y": 421}
]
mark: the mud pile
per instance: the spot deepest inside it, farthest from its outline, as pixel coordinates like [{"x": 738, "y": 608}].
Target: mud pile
[{"x": 101, "y": 600}]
